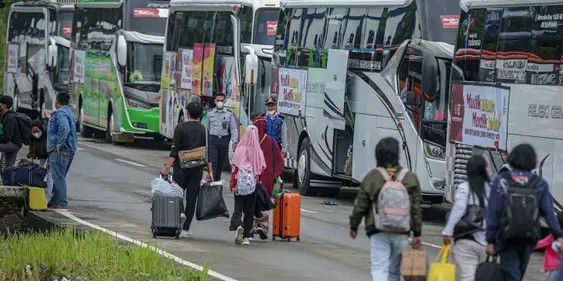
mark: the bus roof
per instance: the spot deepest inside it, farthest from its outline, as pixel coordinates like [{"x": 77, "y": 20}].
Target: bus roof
[
  {"x": 256, "y": 3},
  {"x": 472, "y": 4},
  {"x": 62, "y": 5},
  {"x": 340, "y": 3}
]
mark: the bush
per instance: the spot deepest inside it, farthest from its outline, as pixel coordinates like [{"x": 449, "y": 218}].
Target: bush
[{"x": 90, "y": 256}]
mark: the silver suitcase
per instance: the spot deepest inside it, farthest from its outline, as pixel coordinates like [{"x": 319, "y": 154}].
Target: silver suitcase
[{"x": 166, "y": 220}]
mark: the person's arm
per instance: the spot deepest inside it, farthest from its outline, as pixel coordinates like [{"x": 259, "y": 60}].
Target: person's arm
[
  {"x": 62, "y": 132},
  {"x": 361, "y": 206},
  {"x": 494, "y": 210},
  {"x": 10, "y": 128},
  {"x": 416, "y": 208},
  {"x": 458, "y": 210},
  {"x": 234, "y": 130},
  {"x": 284, "y": 137},
  {"x": 547, "y": 210},
  {"x": 278, "y": 157},
  {"x": 176, "y": 144}
]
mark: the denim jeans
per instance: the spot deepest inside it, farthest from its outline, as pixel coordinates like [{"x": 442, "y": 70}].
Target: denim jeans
[
  {"x": 59, "y": 164},
  {"x": 386, "y": 253},
  {"x": 48, "y": 179},
  {"x": 514, "y": 260}
]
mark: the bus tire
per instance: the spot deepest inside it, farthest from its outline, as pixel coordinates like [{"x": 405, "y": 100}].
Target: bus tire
[
  {"x": 303, "y": 177},
  {"x": 85, "y": 131}
]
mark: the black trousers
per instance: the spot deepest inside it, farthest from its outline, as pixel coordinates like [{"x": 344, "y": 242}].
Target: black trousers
[
  {"x": 218, "y": 154},
  {"x": 244, "y": 204},
  {"x": 190, "y": 181}
]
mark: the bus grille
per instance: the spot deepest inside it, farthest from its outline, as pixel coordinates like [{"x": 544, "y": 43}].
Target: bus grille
[{"x": 462, "y": 155}]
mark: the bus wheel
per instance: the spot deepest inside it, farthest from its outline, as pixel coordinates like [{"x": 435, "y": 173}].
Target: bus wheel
[
  {"x": 304, "y": 169},
  {"x": 85, "y": 131}
]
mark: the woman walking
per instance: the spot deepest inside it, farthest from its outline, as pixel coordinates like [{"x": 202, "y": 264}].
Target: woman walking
[
  {"x": 248, "y": 164},
  {"x": 469, "y": 250}
]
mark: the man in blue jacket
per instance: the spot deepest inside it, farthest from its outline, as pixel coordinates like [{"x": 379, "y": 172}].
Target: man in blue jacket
[
  {"x": 61, "y": 145},
  {"x": 515, "y": 252}
]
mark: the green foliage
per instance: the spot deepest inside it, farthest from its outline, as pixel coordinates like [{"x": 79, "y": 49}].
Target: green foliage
[
  {"x": 3, "y": 25},
  {"x": 91, "y": 256}
]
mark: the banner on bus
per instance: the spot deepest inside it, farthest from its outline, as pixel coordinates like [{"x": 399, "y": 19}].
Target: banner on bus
[
  {"x": 186, "y": 78},
  {"x": 291, "y": 88},
  {"x": 79, "y": 66},
  {"x": 12, "y": 59},
  {"x": 479, "y": 115}
]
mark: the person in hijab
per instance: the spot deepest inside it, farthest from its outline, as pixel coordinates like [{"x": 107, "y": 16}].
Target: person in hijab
[
  {"x": 248, "y": 165},
  {"x": 274, "y": 168}
]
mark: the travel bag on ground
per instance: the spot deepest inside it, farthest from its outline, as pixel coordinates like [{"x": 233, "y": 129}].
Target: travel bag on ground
[
  {"x": 37, "y": 199},
  {"x": 210, "y": 202},
  {"x": 26, "y": 173},
  {"x": 441, "y": 270},
  {"x": 520, "y": 218},
  {"x": 166, "y": 215},
  {"x": 287, "y": 216},
  {"x": 414, "y": 265},
  {"x": 489, "y": 270}
]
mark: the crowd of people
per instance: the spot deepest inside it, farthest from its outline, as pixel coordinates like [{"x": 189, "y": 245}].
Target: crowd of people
[{"x": 498, "y": 217}]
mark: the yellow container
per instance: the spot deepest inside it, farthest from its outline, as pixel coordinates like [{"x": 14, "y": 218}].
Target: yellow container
[{"x": 37, "y": 199}]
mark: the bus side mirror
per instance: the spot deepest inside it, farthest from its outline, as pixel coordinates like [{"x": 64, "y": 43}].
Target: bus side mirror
[
  {"x": 430, "y": 76},
  {"x": 52, "y": 53},
  {"x": 121, "y": 50},
  {"x": 251, "y": 68}
]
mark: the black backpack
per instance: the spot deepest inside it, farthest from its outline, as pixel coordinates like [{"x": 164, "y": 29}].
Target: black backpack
[
  {"x": 24, "y": 127},
  {"x": 520, "y": 219}
]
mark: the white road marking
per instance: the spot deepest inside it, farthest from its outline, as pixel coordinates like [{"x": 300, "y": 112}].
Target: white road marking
[
  {"x": 307, "y": 211},
  {"x": 79, "y": 149},
  {"x": 130, "y": 162},
  {"x": 145, "y": 245}
]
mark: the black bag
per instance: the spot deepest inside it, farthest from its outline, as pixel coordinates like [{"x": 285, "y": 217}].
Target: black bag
[
  {"x": 210, "y": 202},
  {"x": 28, "y": 174},
  {"x": 263, "y": 203},
  {"x": 24, "y": 123},
  {"x": 490, "y": 270},
  {"x": 472, "y": 221},
  {"x": 520, "y": 219}
]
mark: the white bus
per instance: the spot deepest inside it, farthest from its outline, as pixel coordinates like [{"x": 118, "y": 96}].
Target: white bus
[
  {"x": 349, "y": 73},
  {"x": 37, "y": 54},
  {"x": 508, "y": 74},
  {"x": 202, "y": 57}
]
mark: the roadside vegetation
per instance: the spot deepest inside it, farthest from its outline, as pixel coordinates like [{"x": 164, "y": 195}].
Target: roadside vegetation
[{"x": 87, "y": 256}]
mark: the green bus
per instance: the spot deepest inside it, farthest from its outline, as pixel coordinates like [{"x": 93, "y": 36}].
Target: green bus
[{"x": 116, "y": 61}]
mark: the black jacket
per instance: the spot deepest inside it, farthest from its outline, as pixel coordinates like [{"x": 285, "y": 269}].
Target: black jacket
[
  {"x": 38, "y": 147},
  {"x": 11, "y": 126}
]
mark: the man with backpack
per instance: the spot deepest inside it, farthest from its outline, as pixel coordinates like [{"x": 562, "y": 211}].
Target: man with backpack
[
  {"x": 389, "y": 200},
  {"x": 518, "y": 199},
  {"x": 61, "y": 146},
  {"x": 13, "y": 131}
]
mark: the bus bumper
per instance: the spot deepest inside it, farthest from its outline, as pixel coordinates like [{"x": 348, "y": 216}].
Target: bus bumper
[{"x": 142, "y": 121}]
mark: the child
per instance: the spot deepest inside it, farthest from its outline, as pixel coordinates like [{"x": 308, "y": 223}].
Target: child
[
  {"x": 248, "y": 164},
  {"x": 552, "y": 255}
]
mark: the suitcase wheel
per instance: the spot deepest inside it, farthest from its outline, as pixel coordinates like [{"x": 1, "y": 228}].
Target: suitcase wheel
[
  {"x": 177, "y": 237},
  {"x": 273, "y": 238},
  {"x": 298, "y": 239}
]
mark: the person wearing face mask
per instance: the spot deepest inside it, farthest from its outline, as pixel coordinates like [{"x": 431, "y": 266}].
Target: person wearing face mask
[
  {"x": 12, "y": 141},
  {"x": 38, "y": 151},
  {"x": 221, "y": 127},
  {"x": 275, "y": 124}
]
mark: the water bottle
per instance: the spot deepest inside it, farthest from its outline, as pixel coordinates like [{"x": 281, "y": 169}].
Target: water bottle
[{"x": 277, "y": 187}]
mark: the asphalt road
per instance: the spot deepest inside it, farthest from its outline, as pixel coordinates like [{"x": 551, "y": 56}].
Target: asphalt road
[{"x": 109, "y": 186}]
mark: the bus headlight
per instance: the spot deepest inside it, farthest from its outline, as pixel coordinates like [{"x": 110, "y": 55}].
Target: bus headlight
[
  {"x": 137, "y": 103},
  {"x": 434, "y": 151}
]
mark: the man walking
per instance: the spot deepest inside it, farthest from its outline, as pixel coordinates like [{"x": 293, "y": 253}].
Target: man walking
[
  {"x": 12, "y": 140},
  {"x": 221, "y": 126},
  {"x": 275, "y": 124},
  {"x": 61, "y": 145}
]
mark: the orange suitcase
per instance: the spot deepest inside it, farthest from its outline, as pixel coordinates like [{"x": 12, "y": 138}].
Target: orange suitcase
[{"x": 287, "y": 216}]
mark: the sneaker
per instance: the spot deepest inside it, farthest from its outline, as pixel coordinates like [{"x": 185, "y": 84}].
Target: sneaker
[
  {"x": 262, "y": 233},
  {"x": 185, "y": 234},
  {"x": 183, "y": 218},
  {"x": 245, "y": 241},
  {"x": 239, "y": 236}
]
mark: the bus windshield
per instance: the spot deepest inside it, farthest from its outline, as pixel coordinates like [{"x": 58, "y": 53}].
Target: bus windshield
[
  {"x": 144, "y": 62},
  {"x": 148, "y": 17},
  {"x": 265, "y": 25},
  {"x": 65, "y": 24},
  {"x": 28, "y": 27},
  {"x": 442, "y": 19}
]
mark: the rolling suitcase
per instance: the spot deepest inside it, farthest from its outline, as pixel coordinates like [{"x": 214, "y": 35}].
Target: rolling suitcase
[
  {"x": 166, "y": 218},
  {"x": 287, "y": 217}
]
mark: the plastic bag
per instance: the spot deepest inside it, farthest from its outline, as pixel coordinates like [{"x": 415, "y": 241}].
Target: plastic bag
[
  {"x": 210, "y": 202},
  {"x": 166, "y": 187},
  {"x": 442, "y": 270}
]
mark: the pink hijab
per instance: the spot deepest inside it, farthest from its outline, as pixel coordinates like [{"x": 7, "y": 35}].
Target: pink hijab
[{"x": 248, "y": 154}]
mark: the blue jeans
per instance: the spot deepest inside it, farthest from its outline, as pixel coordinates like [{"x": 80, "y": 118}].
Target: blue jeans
[
  {"x": 386, "y": 253},
  {"x": 514, "y": 260},
  {"x": 49, "y": 180},
  {"x": 59, "y": 164}
]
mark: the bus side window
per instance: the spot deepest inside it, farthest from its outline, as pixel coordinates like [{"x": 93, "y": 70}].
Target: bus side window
[
  {"x": 312, "y": 38},
  {"x": 547, "y": 41},
  {"x": 293, "y": 33},
  {"x": 467, "y": 56},
  {"x": 487, "y": 65},
  {"x": 373, "y": 35},
  {"x": 399, "y": 26},
  {"x": 334, "y": 28},
  {"x": 354, "y": 28},
  {"x": 282, "y": 36},
  {"x": 171, "y": 37}
]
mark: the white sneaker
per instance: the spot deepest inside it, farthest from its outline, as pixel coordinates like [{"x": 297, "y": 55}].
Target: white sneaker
[
  {"x": 245, "y": 241},
  {"x": 182, "y": 218},
  {"x": 239, "y": 236},
  {"x": 185, "y": 234}
]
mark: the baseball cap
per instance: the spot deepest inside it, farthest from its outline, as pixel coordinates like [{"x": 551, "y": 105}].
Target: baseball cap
[{"x": 270, "y": 100}]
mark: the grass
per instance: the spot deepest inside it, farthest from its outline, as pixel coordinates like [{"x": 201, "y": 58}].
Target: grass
[{"x": 91, "y": 256}]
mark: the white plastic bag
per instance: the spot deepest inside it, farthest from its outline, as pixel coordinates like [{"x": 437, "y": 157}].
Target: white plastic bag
[{"x": 167, "y": 188}]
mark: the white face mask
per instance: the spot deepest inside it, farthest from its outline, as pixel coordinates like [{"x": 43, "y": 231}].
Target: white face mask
[
  {"x": 220, "y": 104},
  {"x": 37, "y": 134},
  {"x": 271, "y": 112}
]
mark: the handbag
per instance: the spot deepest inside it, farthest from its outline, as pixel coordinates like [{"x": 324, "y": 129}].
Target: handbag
[
  {"x": 489, "y": 270},
  {"x": 441, "y": 270},
  {"x": 414, "y": 265},
  {"x": 472, "y": 221},
  {"x": 192, "y": 158}
]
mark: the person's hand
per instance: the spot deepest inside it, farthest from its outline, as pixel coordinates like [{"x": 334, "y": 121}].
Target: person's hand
[
  {"x": 490, "y": 249},
  {"x": 209, "y": 177},
  {"x": 448, "y": 240},
  {"x": 47, "y": 115},
  {"x": 416, "y": 242},
  {"x": 353, "y": 233},
  {"x": 560, "y": 240},
  {"x": 234, "y": 146},
  {"x": 165, "y": 171}
]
